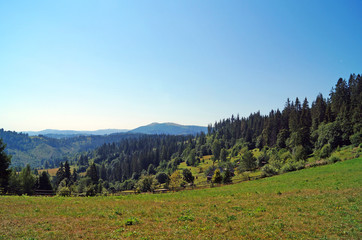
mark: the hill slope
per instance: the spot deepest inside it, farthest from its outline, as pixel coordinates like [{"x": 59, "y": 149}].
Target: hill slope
[
  {"x": 34, "y": 150},
  {"x": 316, "y": 203},
  {"x": 169, "y": 128}
]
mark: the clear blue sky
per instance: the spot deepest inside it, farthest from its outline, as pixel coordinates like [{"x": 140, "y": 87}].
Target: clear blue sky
[{"x": 87, "y": 65}]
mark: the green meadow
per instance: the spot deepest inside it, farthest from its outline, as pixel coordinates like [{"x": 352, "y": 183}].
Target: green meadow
[{"x": 315, "y": 203}]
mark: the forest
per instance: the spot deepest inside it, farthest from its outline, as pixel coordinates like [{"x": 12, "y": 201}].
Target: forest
[{"x": 285, "y": 139}]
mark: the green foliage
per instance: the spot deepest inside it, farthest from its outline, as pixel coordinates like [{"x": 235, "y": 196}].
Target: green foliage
[
  {"x": 44, "y": 181},
  {"x": 227, "y": 176},
  {"x": 282, "y": 138},
  {"x": 151, "y": 170},
  {"x": 329, "y": 133},
  {"x": 192, "y": 160},
  {"x": 187, "y": 176},
  {"x": 131, "y": 221},
  {"x": 292, "y": 166},
  {"x": 300, "y": 153},
  {"x": 64, "y": 191},
  {"x": 5, "y": 161},
  {"x": 14, "y": 183},
  {"x": 356, "y": 138},
  {"x": 175, "y": 180},
  {"x": 147, "y": 183},
  {"x": 269, "y": 170},
  {"x": 216, "y": 148},
  {"x": 92, "y": 173},
  {"x": 27, "y": 180},
  {"x": 162, "y": 177},
  {"x": 334, "y": 159},
  {"x": 217, "y": 178},
  {"x": 223, "y": 155},
  {"x": 326, "y": 151},
  {"x": 248, "y": 162},
  {"x": 90, "y": 191}
]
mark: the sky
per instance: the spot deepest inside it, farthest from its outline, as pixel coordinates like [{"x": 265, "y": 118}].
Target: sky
[{"x": 87, "y": 65}]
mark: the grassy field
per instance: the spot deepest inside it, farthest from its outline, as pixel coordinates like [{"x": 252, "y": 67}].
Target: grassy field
[{"x": 316, "y": 203}]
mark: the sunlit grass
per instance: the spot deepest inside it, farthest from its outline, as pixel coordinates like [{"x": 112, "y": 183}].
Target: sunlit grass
[{"x": 322, "y": 202}]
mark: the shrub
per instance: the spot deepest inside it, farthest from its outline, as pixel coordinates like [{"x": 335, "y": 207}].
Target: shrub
[
  {"x": 326, "y": 151},
  {"x": 300, "y": 153},
  {"x": 147, "y": 183},
  {"x": 64, "y": 192},
  {"x": 334, "y": 159},
  {"x": 217, "y": 178},
  {"x": 162, "y": 177},
  {"x": 227, "y": 176},
  {"x": 292, "y": 166},
  {"x": 268, "y": 170},
  {"x": 90, "y": 191},
  {"x": 131, "y": 221},
  {"x": 356, "y": 138}
]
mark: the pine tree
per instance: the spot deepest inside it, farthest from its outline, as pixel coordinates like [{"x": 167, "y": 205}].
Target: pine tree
[
  {"x": 5, "y": 161},
  {"x": 223, "y": 155},
  {"x": 248, "y": 162},
  {"x": 44, "y": 181},
  {"x": 92, "y": 173},
  {"x": 27, "y": 180},
  {"x": 60, "y": 175},
  {"x": 67, "y": 173},
  {"x": 216, "y": 148}
]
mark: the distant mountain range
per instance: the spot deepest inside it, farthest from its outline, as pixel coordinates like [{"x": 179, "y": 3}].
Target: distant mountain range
[
  {"x": 54, "y": 133},
  {"x": 153, "y": 128},
  {"x": 169, "y": 128}
]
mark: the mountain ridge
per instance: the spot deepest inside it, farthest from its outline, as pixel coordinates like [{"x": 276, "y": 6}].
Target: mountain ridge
[{"x": 152, "y": 128}]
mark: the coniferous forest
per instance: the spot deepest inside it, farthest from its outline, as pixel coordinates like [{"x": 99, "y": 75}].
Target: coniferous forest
[{"x": 286, "y": 139}]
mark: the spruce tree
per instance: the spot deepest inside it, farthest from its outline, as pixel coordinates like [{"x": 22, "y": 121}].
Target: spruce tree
[
  {"x": 5, "y": 161},
  {"x": 67, "y": 173},
  {"x": 44, "y": 181}
]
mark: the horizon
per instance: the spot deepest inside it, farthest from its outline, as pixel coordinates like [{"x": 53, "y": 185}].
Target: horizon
[{"x": 121, "y": 65}]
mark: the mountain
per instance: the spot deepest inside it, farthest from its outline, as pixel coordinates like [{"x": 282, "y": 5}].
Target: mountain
[
  {"x": 169, "y": 128},
  {"x": 54, "y": 133}
]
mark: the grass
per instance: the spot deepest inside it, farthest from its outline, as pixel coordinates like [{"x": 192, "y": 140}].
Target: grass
[{"x": 315, "y": 203}]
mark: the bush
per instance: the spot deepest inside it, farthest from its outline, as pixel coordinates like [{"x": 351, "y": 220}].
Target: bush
[
  {"x": 64, "y": 192},
  {"x": 300, "y": 153},
  {"x": 90, "y": 191},
  {"x": 356, "y": 138},
  {"x": 268, "y": 170},
  {"x": 162, "y": 177},
  {"x": 326, "y": 151},
  {"x": 131, "y": 221},
  {"x": 334, "y": 159},
  {"x": 147, "y": 183},
  {"x": 292, "y": 166},
  {"x": 217, "y": 178}
]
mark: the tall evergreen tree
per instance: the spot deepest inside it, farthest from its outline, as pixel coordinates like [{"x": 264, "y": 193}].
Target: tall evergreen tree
[
  {"x": 5, "y": 161},
  {"x": 27, "y": 180},
  {"x": 92, "y": 173},
  {"x": 44, "y": 181},
  {"x": 67, "y": 173},
  {"x": 60, "y": 175},
  {"x": 216, "y": 148}
]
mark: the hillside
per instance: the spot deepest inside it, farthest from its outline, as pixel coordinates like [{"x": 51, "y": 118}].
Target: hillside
[
  {"x": 169, "y": 128},
  {"x": 35, "y": 150},
  {"x": 315, "y": 203}
]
